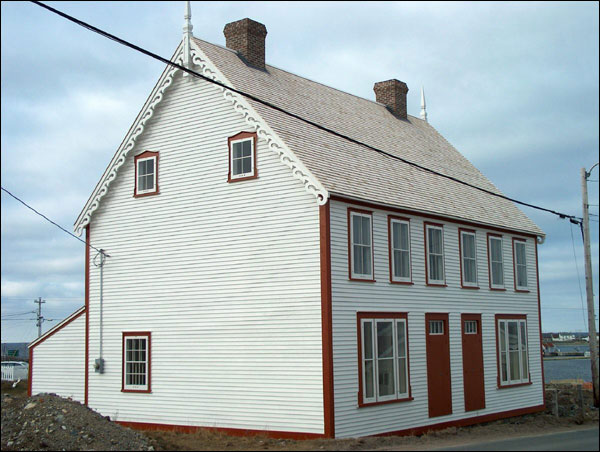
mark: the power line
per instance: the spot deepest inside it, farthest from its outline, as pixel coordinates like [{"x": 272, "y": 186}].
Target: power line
[
  {"x": 49, "y": 220},
  {"x": 572, "y": 218}
]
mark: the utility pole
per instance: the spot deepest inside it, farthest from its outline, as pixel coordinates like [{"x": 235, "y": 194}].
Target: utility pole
[
  {"x": 589, "y": 287},
  {"x": 40, "y": 319}
]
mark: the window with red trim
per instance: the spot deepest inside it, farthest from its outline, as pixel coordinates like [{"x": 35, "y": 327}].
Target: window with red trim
[
  {"x": 399, "y": 243},
  {"x": 136, "y": 362},
  {"x": 520, "y": 264},
  {"x": 434, "y": 250},
  {"x": 383, "y": 358},
  {"x": 496, "y": 261},
  {"x": 513, "y": 352},
  {"x": 468, "y": 257},
  {"x": 146, "y": 174},
  {"x": 360, "y": 236},
  {"x": 242, "y": 156}
]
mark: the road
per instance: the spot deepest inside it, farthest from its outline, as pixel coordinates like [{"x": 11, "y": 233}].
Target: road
[{"x": 585, "y": 439}]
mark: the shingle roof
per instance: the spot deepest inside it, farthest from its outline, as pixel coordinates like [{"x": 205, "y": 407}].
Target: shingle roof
[{"x": 352, "y": 170}]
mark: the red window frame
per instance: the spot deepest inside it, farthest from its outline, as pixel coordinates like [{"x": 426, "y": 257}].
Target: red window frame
[
  {"x": 380, "y": 315},
  {"x": 426, "y": 247},
  {"x": 489, "y": 259},
  {"x": 524, "y": 241},
  {"x": 390, "y": 251},
  {"x": 144, "y": 155},
  {"x": 460, "y": 257},
  {"x": 350, "y": 254},
  {"x": 498, "y": 317},
  {"x": 149, "y": 361},
  {"x": 242, "y": 136}
]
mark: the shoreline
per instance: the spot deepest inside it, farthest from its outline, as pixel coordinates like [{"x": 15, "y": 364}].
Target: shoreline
[{"x": 560, "y": 358}]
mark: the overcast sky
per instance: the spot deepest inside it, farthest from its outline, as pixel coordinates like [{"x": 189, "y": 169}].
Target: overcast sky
[{"x": 513, "y": 86}]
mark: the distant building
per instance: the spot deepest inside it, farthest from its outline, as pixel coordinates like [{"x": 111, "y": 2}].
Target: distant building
[{"x": 15, "y": 351}]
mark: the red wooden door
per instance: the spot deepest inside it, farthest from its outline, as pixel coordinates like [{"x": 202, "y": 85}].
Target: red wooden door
[
  {"x": 439, "y": 387},
  {"x": 472, "y": 362}
]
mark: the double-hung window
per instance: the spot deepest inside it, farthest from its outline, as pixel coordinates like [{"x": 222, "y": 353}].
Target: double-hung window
[
  {"x": 513, "y": 357},
  {"x": 146, "y": 174},
  {"x": 361, "y": 244},
  {"x": 242, "y": 156},
  {"x": 384, "y": 374},
  {"x": 399, "y": 242},
  {"x": 520, "y": 262},
  {"x": 434, "y": 237},
  {"x": 496, "y": 262},
  {"x": 468, "y": 257},
  {"x": 136, "y": 362}
]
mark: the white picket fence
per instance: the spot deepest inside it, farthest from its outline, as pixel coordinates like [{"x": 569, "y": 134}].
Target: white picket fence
[{"x": 8, "y": 373}]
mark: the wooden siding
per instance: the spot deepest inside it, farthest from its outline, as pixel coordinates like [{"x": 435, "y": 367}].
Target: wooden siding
[
  {"x": 350, "y": 297},
  {"x": 225, "y": 277},
  {"x": 58, "y": 362}
]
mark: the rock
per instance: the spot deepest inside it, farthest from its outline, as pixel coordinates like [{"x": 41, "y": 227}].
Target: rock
[{"x": 30, "y": 405}]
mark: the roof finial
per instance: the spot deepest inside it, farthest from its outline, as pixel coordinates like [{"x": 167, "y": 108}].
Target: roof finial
[
  {"x": 187, "y": 35},
  {"x": 423, "y": 107}
]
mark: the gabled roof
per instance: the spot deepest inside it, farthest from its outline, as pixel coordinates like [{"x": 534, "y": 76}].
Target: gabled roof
[{"x": 353, "y": 171}]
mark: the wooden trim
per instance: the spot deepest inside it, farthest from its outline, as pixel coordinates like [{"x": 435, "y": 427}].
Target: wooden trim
[
  {"x": 390, "y": 218},
  {"x": 30, "y": 373},
  {"x": 460, "y": 258},
  {"x": 349, "y": 214},
  {"x": 143, "y": 155},
  {"x": 466, "y": 421},
  {"x": 229, "y": 431},
  {"x": 148, "y": 334},
  {"x": 518, "y": 239},
  {"x": 380, "y": 315},
  {"x": 242, "y": 136},
  {"x": 499, "y": 363},
  {"x": 489, "y": 259},
  {"x": 402, "y": 211},
  {"x": 57, "y": 328},
  {"x": 87, "y": 315},
  {"x": 326, "y": 320},
  {"x": 426, "y": 247},
  {"x": 537, "y": 274}
]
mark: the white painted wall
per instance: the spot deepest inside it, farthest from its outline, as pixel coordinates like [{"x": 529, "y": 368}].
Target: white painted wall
[
  {"x": 59, "y": 362},
  {"x": 350, "y": 297},
  {"x": 226, "y": 277}
]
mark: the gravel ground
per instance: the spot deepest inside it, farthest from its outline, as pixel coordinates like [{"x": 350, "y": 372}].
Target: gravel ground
[{"x": 49, "y": 422}]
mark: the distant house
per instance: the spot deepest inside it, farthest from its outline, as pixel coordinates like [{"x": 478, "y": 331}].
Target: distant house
[
  {"x": 15, "y": 351},
  {"x": 267, "y": 275}
]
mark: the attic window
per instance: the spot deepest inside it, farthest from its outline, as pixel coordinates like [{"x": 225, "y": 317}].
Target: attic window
[
  {"x": 146, "y": 174},
  {"x": 242, "y": 157}
]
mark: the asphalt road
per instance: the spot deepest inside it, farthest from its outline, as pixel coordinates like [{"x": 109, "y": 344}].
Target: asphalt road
[{"x": 586, "y": 439}]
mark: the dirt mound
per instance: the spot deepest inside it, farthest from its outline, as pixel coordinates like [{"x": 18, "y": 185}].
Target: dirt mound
[{"x": 49, "y": 422}]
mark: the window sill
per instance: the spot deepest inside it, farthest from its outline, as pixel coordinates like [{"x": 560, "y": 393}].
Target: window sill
[
  {"x": 142, "y": 391},
  {"x": 516, "y": 385},
  {"x": 403, "y": 283},
  {"x": 142, "y": 195},
  {"x": 498, "y": 289},
  {"x": 361, "y": 280},
  {"x": 387, "y": 402},
  {"x": 436, "y": 285},
  {"x": 522, "y": 290},
  {"x": 469, "y": 287},
  {"x": 240, "y": 179}
]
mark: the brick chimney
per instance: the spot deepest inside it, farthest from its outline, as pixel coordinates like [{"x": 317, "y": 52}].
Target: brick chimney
[
  {"x": 392, "y": 93},
  {"x": 247, "y": 37}
]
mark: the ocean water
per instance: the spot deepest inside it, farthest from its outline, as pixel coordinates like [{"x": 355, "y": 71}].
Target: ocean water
[{"x": 563, "y": 369}]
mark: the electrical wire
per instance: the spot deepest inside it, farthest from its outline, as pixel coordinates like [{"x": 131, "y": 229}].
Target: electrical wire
[
  {"x": 55, "y": 224},
  {"x": 293, "y": 115}
]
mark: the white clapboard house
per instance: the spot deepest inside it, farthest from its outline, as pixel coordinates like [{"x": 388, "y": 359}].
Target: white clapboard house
[{"x": 266, "y": 275}]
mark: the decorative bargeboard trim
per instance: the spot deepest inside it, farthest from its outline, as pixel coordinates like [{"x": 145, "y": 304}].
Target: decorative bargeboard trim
[{"x": 241, "y": 105}]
